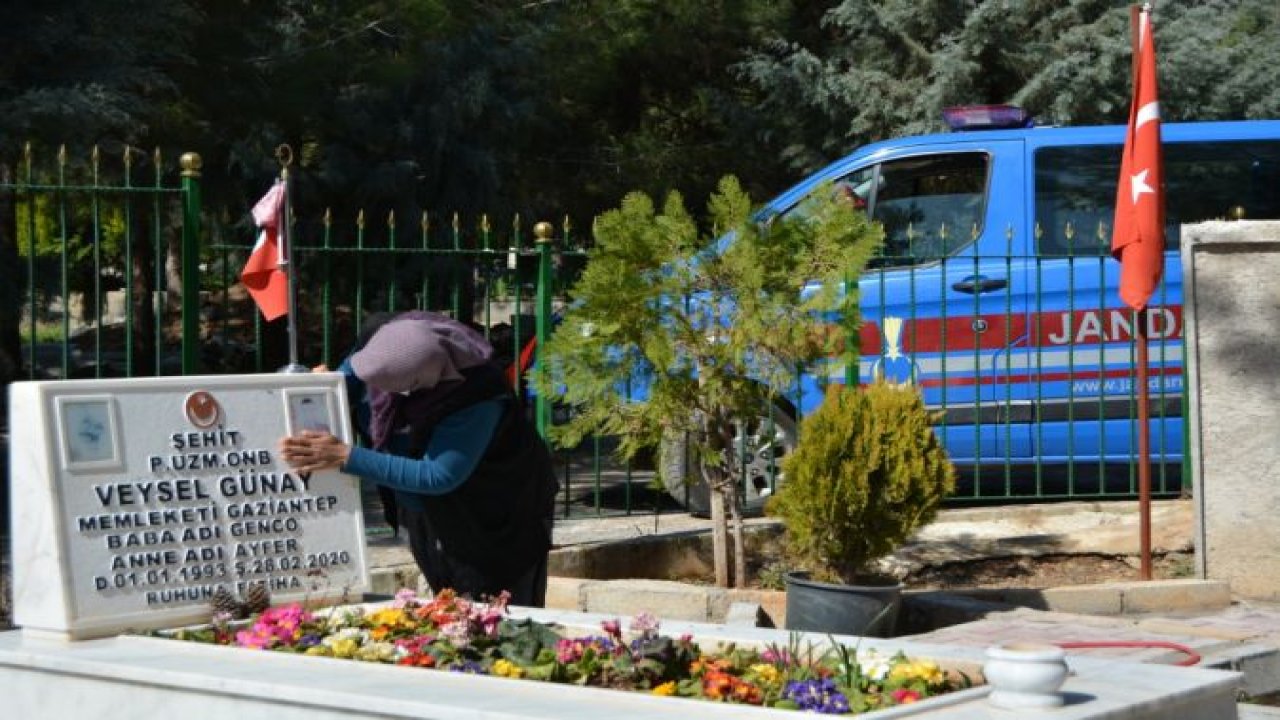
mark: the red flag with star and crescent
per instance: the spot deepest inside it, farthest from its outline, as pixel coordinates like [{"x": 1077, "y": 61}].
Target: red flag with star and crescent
[
  {"x": 1138, "y": 239},
  {"x": 262, "y": 277}
]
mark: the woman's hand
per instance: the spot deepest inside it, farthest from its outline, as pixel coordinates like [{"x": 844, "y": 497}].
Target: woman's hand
[{"x": 312, "y": 450}]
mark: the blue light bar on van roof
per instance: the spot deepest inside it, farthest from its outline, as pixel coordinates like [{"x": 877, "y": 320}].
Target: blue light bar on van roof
[{"x": 986, "y": 117}]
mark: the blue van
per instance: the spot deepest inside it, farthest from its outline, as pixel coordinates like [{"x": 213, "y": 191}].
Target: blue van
[{"x": 996, "y": 292}]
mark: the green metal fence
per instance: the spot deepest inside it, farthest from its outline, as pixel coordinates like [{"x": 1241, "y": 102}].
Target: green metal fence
[
  {"x": 107, "y": 246},
  {"x": 91, "y": 234}
]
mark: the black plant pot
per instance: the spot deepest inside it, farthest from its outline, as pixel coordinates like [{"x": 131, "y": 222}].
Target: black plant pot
[{"x": 869, "y": 610}]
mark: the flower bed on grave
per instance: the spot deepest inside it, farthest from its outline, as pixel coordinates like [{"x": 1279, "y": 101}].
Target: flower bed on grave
[{"x": 450, "y": 633}]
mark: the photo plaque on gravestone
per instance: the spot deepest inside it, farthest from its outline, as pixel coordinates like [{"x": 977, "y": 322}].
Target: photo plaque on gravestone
[{"x": 134, "y": 500}]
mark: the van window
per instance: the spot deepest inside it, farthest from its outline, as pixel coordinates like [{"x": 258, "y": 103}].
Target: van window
[
  {"x": 1076, "y": 191},
  {"x": 930, "y": 206}
]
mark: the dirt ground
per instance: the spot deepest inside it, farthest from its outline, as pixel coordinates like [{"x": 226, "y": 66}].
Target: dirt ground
[{"x": 1047, "y": 571}]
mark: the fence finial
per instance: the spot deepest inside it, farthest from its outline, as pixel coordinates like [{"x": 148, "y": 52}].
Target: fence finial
[
  {"x": 191, "y": 164},
  {"x": 543, "y": 231},
  {"x": 284, "y": 156}
]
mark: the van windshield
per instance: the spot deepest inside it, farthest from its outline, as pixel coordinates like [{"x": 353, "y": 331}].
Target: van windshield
[{"x": 1076, "y": 190}]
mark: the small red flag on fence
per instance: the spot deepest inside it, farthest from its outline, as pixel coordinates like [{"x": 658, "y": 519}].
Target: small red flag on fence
[
  {"x": 1138, "y": 238},
  {"x": 262, "y": 277}
]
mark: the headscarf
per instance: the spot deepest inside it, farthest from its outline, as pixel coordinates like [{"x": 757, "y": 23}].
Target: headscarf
[{"x": 411, "y": 363}]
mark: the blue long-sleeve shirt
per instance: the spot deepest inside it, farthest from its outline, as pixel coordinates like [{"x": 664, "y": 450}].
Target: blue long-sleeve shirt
[{"x": 457, "y": 444}]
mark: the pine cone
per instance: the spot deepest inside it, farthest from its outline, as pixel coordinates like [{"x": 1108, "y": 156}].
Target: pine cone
[
  {"x": 224, "y": 602},
  {"x": 257, "y": 598}
]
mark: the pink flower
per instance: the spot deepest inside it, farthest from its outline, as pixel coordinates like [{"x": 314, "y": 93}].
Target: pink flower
[
  {"x": 254, "y": 639},
  {"x": 404, "y": 598},
  {"x": 776, "y": 657},
  {"x": 612, "y": 628},
  {"x": 275, "y": 626},
  {"x": 568, "y": 651},
  {"x": 645, "y": 624}
]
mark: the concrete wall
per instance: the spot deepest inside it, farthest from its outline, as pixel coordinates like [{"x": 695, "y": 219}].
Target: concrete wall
[{"x": 1231, "y": 276}]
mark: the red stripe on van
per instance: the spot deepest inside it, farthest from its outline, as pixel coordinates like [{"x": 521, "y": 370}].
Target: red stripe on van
[{"x": 984, "y": 332}]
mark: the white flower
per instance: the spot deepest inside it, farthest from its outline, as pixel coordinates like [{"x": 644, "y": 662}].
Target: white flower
[
  {"x": 359, "y": 635},
  {"x": 874, "y": 666},
  {"x": 458, "y": 633}
]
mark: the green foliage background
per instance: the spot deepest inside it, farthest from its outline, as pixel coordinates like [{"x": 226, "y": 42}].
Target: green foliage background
[{"x": 563, "y": 106}]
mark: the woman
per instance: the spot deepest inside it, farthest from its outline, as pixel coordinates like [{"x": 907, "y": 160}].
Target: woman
[{"x": 473, "y": 480}]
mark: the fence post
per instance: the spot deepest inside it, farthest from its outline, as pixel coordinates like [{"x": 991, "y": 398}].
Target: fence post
[
  {"x": 191, "y": 164},
  {"x": 542, "y": 236}
]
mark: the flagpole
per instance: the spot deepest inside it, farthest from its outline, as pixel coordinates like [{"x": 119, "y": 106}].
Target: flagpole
[
  {"x": 284, "y": 154},
  {"x": 1144, "y": 446},
  {"x": 1143, "y": 358}
]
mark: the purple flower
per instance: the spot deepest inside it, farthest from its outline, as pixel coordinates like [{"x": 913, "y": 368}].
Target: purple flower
[
  {"x": 820, "y": 696},
  {"x": 469, "y": 667}
]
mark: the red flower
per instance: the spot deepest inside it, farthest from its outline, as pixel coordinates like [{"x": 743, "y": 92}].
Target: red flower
[
  {"x": 418, "y": 660},
  {"x": 902, "y": 696}
]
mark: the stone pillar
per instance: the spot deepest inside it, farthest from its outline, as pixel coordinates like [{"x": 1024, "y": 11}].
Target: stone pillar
[{"x": 1231, "y": 281}]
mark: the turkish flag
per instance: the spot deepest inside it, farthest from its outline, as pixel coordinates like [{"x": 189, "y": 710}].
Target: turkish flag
[
  {"x": 262, "y": 276},
  {"x": 1138, "y": 239}
]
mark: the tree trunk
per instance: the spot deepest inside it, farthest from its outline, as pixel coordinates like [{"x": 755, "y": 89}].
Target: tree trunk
[
  {"x": 719, "y": 529},
  {"x": 739, "y": 539}
]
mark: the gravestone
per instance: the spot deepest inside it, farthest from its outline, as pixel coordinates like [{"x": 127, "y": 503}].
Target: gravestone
[
  {"x": 1232, "y": 310},
  {"x": 134, "y": 500}
]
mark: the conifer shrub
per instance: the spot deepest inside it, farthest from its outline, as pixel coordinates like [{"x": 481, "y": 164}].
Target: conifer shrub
[{"x": 867, "y": 472}]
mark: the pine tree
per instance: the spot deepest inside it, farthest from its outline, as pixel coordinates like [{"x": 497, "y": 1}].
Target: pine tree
[{"x": 711, "y": 331}]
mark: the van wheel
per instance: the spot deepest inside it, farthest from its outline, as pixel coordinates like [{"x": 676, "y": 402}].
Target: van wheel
[{"x": 765, "y": 440}]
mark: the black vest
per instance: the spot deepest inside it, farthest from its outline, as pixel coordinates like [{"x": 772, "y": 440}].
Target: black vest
[{"x": 499, "y": 518}]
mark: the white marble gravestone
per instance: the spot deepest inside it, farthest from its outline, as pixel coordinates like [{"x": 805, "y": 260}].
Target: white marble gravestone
[{"x": 133, "y": 500}]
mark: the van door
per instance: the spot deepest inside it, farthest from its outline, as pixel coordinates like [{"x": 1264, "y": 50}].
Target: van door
[
  {"x": 946, "y": 299},
  {"x": 1082, "y": 333}
]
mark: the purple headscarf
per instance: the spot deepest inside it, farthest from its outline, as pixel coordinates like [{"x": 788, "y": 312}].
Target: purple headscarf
[{"x": 411, "y": 363}]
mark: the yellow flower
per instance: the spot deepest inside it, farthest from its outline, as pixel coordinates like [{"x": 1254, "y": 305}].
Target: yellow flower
[
  {"x": 924, "y": 670},
  {"x": 506, "y": 668},
  {"x": 320, "y": 650},
  {"x": 768, "y": 674},
  {"x": 344, "y": 647},
  {"x": 388, "y": 616},
  {"x": 666, "y": 688}
]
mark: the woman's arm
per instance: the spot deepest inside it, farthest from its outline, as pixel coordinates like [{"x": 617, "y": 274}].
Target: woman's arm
[
  {"x": 457, "y": 444},
  {"x": 456, "y": 447}
]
